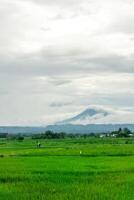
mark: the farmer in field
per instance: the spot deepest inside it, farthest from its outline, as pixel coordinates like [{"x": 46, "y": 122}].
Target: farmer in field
[{"x": 38, "y": 144}]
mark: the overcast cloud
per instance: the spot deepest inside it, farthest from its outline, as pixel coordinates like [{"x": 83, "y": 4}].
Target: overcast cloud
[{"x": 59, "y": 57}]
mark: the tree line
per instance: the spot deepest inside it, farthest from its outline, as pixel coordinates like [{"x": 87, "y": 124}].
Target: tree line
[{"x": 53, "y": 135}]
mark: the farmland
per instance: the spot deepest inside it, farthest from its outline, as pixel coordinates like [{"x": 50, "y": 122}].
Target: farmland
[{"x": 67, "y": 169}]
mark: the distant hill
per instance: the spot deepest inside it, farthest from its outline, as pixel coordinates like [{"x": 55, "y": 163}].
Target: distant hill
[
  {"x": 90, "y": 128},
  {"x": 68, "y": 128},
  {"x": 21, "y": 130}
]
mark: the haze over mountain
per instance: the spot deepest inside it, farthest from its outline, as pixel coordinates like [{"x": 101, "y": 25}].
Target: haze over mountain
[
  {"x": 91, "y": 120},
  {"x": 94, "y": 115},
  {"x": 88, "y": 116}
]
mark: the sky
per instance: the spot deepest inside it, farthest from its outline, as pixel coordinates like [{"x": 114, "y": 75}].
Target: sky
[{"x": 58, "y": 58}]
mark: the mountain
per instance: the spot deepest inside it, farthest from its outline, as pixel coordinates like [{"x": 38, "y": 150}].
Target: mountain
[
  {"x": 91, "y": 120},
  {"x": 88, "y": 116}
]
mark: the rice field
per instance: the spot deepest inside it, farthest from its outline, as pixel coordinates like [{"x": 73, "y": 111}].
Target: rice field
[{"x": 68, "y": 169}]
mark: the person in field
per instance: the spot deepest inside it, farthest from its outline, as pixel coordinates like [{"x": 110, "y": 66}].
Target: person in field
[{"x": 38, "y": 144}]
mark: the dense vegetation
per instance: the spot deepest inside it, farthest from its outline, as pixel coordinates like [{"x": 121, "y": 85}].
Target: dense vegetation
[{"x": 64, "y": 169}]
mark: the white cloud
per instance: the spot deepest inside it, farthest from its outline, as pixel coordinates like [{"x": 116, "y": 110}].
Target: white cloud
[{"x": 71, "y": 54}]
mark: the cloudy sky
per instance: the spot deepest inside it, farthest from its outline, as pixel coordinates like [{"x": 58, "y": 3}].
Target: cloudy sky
[{"x": 59, "y": 57}]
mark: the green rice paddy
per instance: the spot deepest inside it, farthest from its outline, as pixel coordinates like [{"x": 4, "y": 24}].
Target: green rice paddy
[{"x": 68, "y": 169}]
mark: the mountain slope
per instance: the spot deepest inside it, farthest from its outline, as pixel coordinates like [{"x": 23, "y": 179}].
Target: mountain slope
[{"x": 88, "y": 116}]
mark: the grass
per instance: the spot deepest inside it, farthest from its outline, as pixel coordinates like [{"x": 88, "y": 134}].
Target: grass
[{"x": 57, "y": 171}]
